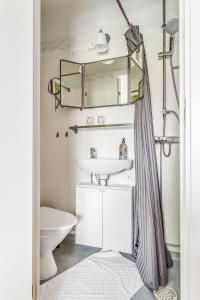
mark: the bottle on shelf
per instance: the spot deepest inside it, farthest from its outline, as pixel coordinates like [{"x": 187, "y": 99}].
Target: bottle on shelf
[{"x": 123, "y": 149}]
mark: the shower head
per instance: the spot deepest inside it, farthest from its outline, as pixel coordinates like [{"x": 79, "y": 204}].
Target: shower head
[{"x": 172, "y": 26}]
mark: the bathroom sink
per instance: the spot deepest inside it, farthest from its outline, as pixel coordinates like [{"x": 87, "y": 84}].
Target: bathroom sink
[{"x": 103, "y": 168}]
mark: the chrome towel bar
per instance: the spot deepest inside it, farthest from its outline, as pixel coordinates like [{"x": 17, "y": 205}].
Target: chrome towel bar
[
  {"x": 158, "y": 139},
  {"x": 75, "y": 128}
]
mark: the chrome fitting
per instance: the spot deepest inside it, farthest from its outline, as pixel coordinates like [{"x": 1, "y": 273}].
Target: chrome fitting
[{"x": 164, "y": 54}]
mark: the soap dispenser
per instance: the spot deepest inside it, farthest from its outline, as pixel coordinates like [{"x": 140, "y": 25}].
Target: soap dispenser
[{"x": 123, "y": 149}]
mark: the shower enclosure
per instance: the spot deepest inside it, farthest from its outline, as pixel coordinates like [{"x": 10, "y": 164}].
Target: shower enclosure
[
  {"x": 165, "y": 142},
  {"x": 171, "y": 28}
]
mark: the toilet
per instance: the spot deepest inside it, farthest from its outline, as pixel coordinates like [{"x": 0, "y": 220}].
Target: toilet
[{"x": 54, "y": 227}]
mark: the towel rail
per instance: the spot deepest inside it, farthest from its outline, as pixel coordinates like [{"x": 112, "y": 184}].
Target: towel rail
[
  {"x": 75, "y": 128},
  {"x": 158, "y": 139}
]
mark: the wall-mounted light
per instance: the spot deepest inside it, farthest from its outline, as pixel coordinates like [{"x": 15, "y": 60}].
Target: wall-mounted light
[{"x": 101, "y": 42}]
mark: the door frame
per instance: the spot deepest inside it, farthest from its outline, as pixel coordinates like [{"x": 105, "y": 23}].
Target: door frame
[
  {"x": 185, "y": 173},
  {"x": 36, "y": 151},
  {"x": 185, "y": 147},
  {"x": 190, "y": 149}
]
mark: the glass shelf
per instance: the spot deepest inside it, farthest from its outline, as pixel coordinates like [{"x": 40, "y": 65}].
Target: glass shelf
[
  {"x": 76, "y": 128},
  {"x": 158, "y": 139}
]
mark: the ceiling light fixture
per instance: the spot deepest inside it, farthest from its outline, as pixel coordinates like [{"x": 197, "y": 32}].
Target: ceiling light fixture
[{"x": 102, "y": 41}]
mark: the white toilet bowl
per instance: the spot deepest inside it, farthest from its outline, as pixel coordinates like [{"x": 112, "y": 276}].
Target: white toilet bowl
[{"x": 54, "y": 227}]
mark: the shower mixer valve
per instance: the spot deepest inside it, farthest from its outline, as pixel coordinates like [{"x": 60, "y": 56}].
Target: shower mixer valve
[
  {"x": 164, "y": 111},
  {"x": 167, "y": 54}
]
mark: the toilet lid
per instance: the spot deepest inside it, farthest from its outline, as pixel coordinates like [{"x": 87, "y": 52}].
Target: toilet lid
[{"x": 53, "y": 219}]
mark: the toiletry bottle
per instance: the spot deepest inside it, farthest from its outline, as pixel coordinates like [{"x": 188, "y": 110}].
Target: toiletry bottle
[{"x": 123, "y": 149}]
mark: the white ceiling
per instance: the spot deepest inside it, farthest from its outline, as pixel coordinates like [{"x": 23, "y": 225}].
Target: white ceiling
[{"x": 50, "y": 5}]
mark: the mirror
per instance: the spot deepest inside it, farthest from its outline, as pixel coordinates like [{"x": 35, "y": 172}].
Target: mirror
[
  {"x": 106, "y": 83},
  {"x": 54, "y": 86},
  {"x": 71, "y": 84},
  {"x": 112, "y": 82}
]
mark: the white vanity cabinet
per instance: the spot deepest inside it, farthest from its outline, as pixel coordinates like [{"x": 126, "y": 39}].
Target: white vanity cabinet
[
  {"x": 89, "y": 213},
  {"x": 105, "y": 217},
  {"x": 118, "y": 219}
]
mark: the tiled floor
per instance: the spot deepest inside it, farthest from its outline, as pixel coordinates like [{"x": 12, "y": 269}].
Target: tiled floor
[{"x": 69, "y": 254}]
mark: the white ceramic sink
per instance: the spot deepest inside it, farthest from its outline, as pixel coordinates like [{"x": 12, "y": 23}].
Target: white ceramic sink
[{"x": 103, "y": 168}]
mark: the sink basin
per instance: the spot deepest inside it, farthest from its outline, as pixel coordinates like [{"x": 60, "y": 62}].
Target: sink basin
[{"x": 103, "y": 168}]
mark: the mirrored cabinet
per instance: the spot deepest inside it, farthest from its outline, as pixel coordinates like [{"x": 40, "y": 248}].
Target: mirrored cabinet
[
  {"x": 112, "y": 82},
  {"x": 71, "y": 84},
  {"x": 106, "y": 83}
]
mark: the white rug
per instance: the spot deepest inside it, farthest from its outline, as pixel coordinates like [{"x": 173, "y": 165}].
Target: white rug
[{"x": 104, "y": 275}]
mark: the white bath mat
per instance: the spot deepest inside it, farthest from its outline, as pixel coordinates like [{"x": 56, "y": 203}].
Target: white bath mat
[{"x": 104, "y": 275}]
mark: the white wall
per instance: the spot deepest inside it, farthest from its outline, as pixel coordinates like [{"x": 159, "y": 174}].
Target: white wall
[
  {"x": 16, "y": 82},
  {"x": 66, "y": 34}
]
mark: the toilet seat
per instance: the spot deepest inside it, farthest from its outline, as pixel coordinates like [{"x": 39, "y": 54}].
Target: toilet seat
[{"x": 53, "y": 219}]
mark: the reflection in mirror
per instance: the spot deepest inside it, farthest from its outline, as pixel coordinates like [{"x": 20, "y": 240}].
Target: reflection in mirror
[
  {"x": 106, "y": 83},
  {"x": 136, "y": 75},
  {"x": 71, "y": 84},
  {"x": 117, "y": 81}
]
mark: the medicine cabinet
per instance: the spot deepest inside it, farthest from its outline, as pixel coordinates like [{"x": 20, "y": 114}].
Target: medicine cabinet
[{"x": 112, "y": 82}]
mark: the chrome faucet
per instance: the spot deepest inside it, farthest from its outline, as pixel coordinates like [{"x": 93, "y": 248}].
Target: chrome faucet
[{"x": 93, "y": 153}]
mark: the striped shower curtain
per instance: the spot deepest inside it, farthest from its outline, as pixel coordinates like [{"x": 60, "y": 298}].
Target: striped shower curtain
[{"x": 152, "y": 257}]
